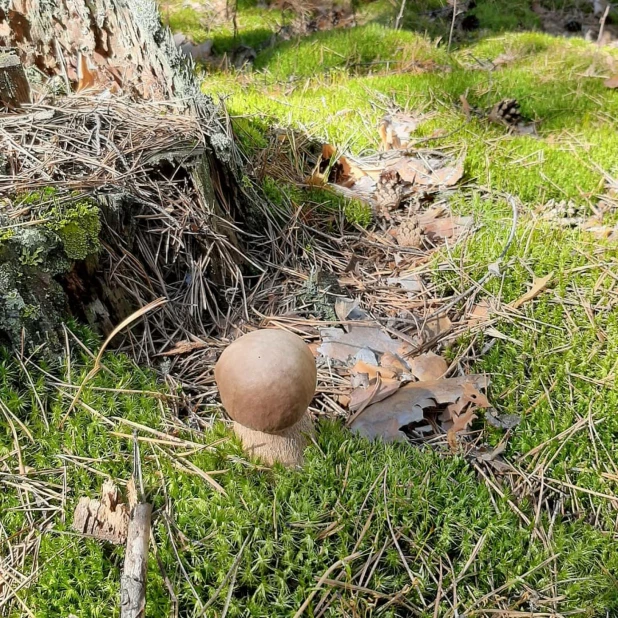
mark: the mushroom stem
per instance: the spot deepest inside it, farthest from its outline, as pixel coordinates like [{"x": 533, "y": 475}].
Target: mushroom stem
[{"x": 285, "y": 447}]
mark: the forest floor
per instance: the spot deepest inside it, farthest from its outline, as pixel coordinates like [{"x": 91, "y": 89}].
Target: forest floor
[{"x": 371, "y": 528}]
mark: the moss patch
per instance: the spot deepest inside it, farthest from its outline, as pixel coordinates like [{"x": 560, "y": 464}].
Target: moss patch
[
  {"x": 291, "y": 526},
  {"x": 78, "y": 227}
]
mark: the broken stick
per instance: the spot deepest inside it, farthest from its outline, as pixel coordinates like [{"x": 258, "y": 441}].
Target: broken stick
[{"x": 133, "y": 580}]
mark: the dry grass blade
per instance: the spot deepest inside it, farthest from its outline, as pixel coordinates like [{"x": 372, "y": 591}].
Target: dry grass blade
[{"x": 97, "y": 361}]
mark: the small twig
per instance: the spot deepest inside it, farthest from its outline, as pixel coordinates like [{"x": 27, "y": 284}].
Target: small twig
[
  {"x": 602, "y": 28},
  {"x": 400, "y": 16},
  {"x": 450, "y": 34},
  {"x": 133, "y": 580}
]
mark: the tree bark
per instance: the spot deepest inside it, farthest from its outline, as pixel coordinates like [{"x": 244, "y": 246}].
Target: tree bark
[
  {"x": 14, "y": 87},
  {"x": 122, "y": 41},
  {"x": 121, "y": 46}
]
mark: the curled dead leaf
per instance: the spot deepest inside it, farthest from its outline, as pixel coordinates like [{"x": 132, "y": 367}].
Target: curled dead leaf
[
  {"x": 460, "y": 423},
  {"x": 538, "y": 285},
  {"x": 385, "y": 419},
  {"x": 395, "y": 130},
  {"x": 611, "y": 82},
  {"x": 362, "y": 397}
]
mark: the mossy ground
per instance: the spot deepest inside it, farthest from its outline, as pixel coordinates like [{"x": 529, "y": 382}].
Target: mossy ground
[{"x": 555, "y": 366}]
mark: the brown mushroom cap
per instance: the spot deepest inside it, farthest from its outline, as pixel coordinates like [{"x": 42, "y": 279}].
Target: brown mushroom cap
[{"x": 266, "y": 380}]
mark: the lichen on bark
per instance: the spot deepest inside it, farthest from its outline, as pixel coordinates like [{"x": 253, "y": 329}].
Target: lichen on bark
[{"x": 35, "y": 250}]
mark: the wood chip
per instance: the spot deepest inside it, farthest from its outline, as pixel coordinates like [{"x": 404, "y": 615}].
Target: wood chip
[{"x": 106, "y": 519}]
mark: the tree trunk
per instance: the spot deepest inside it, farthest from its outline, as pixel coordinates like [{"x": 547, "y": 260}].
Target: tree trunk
[
  {"x": 111, "y": 52},
  {"x": 122, "y": 42}
]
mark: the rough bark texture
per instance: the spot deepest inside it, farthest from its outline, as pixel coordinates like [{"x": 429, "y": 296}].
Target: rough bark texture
[
  {"x": 14, "y": 86},
  {"x": 106, "y": 519},
  {"x": 122, "y": 41},
  {"x": 133, "y": 580},
  {"x": 116, "y": 51}
]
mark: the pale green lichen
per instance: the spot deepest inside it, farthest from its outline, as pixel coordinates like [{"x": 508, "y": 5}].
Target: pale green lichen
[{"x": 55, "y": 231}]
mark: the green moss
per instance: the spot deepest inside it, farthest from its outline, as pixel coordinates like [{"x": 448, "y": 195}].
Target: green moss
[
  {"x": 365, "y": 49},
  {"x": 6, "y": 234},
  {"x": 78, "y": 227},
  {"x": 294, "y": 525},
  {"x": 567, "y": 160}
]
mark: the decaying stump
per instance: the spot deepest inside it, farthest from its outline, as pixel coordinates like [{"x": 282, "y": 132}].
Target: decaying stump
[
  {"x": 140, "y": 158},
  {"x": 122, "y": 42},
  {"x": 106, "y": 519}
]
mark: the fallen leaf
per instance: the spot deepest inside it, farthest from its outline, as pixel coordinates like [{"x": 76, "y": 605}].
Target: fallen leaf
[
  {"x": 342, "y": 171},
  {"x": 428, "y": 366},
  {"x": 417, "y": 172},
  {"x": 471, "y": 395},
  {"x": 371, "y": 394},
  {"x": 106, "y": 519},
  {"x": 451, "y": 438},
  {"x": 394, "y": 363},
  {"x": 347, "y": 309},
  {"x": 386, "y": 418},
  {"x": 479, "y": 312},
  {"x": 341, "y": 346},
  {"x": 611, "y": 82},
  {"x": 538, "y": 285},
  {"x": 317, "y": 179},
  {"x": 372, "y": 371},
  {"x": 366, "y": 356},
  {"x": 314, "y": 349},
  {"x": 438, "y": 224},
  {"x": 461, "y": 423},
  {"x": 344, "y": 400},
  {"x": 395, "y": 130},
  {"x": 434, "y": 328}
]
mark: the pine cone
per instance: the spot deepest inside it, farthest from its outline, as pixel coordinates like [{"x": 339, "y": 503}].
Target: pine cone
[
  {"x": 389, "y": 190},
  {"x": 506, "y": 112},
  {"x": 409, "y": 234}
]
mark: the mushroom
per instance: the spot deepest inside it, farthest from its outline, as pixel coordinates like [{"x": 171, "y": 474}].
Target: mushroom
[{"x": 266, "y": 380}]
